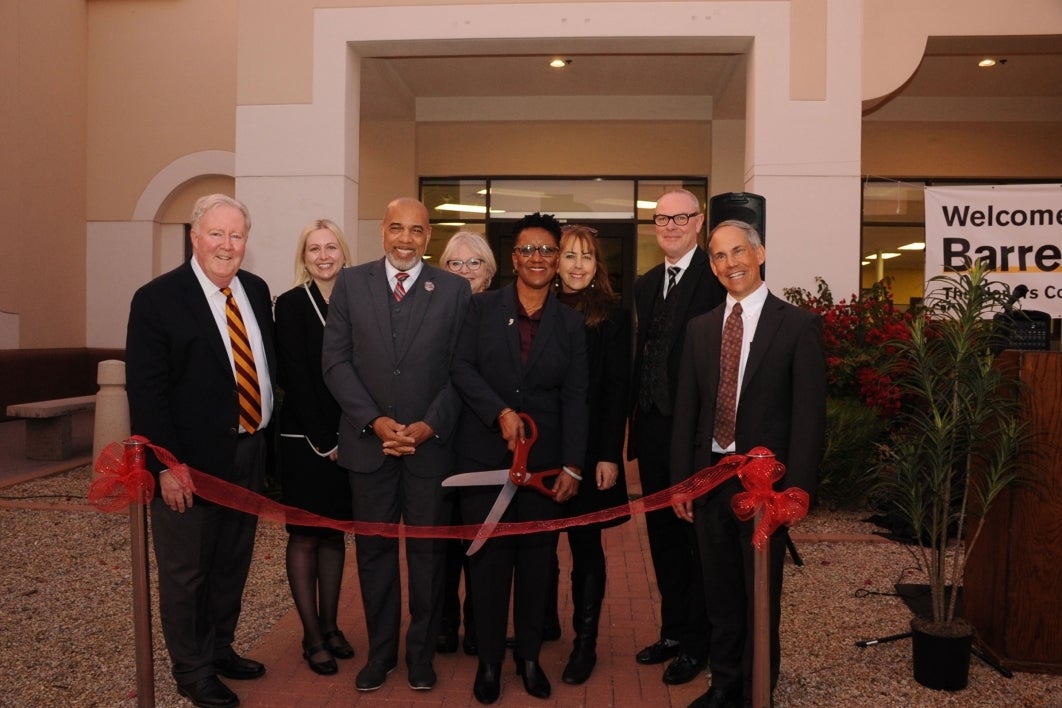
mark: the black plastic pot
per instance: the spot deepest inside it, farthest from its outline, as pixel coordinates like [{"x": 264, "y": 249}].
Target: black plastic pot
[{"x": 940, "y": 662}]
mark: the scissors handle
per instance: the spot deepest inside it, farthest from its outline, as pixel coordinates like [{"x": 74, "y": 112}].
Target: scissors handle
[{"x": 518, "y": 473}]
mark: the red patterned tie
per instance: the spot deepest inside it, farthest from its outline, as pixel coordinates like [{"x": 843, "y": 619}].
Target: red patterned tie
[
  {"x": 400, "y": 289},
  {"x": 243, "y": 358},
  {"x": 729, "y": 361}
]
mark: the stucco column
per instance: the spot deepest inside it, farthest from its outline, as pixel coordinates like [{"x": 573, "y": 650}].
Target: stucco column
[{"x": 804, "y": 155}]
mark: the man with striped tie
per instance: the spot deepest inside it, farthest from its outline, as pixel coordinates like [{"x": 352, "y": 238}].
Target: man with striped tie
[{"x": 199, "y": 367}]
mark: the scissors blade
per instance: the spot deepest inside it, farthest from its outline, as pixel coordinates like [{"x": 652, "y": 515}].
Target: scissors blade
[
  {"x": 473, "y": 479},
  {"x": 500, "y": 505}
]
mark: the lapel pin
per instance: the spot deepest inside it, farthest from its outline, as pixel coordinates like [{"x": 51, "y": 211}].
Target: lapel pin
[
  {"x": 429, "y": 286},
  {"x": 511, "y": 321}
]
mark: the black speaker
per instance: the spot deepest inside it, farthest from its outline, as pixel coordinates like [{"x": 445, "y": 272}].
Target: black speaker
[{"x": 743, "y": 206}]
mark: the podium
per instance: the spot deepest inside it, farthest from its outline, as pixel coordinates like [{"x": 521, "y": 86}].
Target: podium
[{"x": 1013, "y": 579}]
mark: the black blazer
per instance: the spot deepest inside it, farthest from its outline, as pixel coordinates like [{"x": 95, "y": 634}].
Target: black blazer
[
  {"x": 308, "y": 407},
  {"x": 551, "y": 387},
  {"x": 782, "y": 402},
  {"x": 697, "y": 292},
  {"x": 182, "y": 392}
]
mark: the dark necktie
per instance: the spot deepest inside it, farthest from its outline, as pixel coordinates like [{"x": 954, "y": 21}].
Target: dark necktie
[
  {"x": 400, "y": 288},
  {"x": 672, "y": 274},
  {"x": 243, "y": 358},
  {"x": 729, "y": 362}
]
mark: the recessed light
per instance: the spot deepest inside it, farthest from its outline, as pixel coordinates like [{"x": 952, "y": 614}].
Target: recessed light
[
  {"x": 559, "y": 63},
  {"x": 987, "y": 61},
  {"x": 913, "y": 246}
]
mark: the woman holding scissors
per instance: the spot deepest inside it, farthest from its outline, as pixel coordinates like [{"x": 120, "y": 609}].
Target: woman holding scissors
[{"x": 519, "y": 352}]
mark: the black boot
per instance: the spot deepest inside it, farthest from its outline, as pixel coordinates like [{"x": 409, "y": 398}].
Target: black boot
[
  {"x": 551, "y": 629},
  {"x": 588, "y": 590}
]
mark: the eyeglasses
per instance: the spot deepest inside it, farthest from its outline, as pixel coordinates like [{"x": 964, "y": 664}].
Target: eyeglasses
[
  {"x": 543, "y": 250},
  {"x": 472, "y": 263},
  {"x": 679, "y": 219}
]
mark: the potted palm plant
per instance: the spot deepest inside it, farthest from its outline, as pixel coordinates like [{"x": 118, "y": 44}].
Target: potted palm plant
[{"x": 955, "y": 447}]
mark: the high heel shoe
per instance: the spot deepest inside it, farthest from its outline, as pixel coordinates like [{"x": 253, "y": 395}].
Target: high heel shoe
[
  {"x": 535, "y": 682},
  {"x": 324, "y": 668},
  {"x": 487, "y": 687},
  {"x": 338, "y": 645}
]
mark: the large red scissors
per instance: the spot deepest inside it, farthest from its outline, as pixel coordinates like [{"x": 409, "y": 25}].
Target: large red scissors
[{"x": 511, "y": 479}]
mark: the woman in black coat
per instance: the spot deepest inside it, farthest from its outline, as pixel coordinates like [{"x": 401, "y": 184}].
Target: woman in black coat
[
  {"x": 308, "y": 446},
  {"x": 519, "y": 351},
  {"x": 583, "y": 284}
]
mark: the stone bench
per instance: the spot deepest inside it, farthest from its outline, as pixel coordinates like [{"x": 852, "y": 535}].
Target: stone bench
[{"x": 48, "y": 425}]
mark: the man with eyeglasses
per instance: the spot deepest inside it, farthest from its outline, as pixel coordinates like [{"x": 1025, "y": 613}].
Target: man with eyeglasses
[
  {"x": 391, "y": 333},
  {"x": 666, "y": 298}
]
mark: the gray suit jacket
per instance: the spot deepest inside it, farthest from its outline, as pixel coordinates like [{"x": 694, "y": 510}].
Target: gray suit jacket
[{"x": 370, "y": 377}]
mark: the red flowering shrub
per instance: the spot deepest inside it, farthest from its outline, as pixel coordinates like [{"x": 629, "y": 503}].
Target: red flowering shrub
[{"x": 859, "y": 338}]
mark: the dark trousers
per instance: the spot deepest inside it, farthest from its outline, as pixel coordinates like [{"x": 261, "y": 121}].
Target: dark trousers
[
  {"x": 203, "y": 557},
  {"x": 672, "y": 544},
  {"x": 390, "y": 494},
  {"x": 518, "y": 564},
  {"x": 727, "y": 558}
]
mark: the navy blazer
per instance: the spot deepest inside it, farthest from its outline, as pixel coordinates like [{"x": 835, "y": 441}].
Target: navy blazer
[
  {"x": 181, "y": 389},
  {"x": 551, "y": 387},
  {"x": 782, "y": 401}
]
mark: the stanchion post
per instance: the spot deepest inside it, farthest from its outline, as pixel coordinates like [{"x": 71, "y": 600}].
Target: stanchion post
[
  {"x": 761, "y": 627},
  {"x": 145, "y": 663}
]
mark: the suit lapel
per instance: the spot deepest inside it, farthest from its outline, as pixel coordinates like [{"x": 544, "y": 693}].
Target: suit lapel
[
  {"x": 546, "y": 324},
  {"x": 512, "y": 328},
  {"x": 380, "y": 303},
  {"x": 770, "y": 320},
  {"x": 203, "y": 315}
]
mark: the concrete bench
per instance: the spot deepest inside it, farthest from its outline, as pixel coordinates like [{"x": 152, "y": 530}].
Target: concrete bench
[{"x": 48, "y": 425}]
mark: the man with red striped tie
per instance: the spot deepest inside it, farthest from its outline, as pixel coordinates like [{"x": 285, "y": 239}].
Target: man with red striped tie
[{"x": 200, "y": 367}]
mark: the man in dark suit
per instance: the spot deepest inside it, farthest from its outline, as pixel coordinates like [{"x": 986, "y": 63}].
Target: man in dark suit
[
  {"x": 778, "y": 401},
  {"x": 185, "y": 385},
  {"x": 390, "y": 336},
  {"x": 666, "y": 298}
]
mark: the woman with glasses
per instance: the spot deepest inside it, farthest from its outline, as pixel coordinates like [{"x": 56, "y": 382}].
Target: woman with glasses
[
  {"x": 520, "y": 351},
  {"x": 468, "y": 254},
  {"x": 583, "y": 284}
]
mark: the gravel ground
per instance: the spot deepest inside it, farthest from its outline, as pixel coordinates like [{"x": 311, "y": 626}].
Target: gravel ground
[{"x": 66, "y": 636}]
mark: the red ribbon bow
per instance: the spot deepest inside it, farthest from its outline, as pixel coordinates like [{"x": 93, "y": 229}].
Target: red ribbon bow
[
  {"x": 121, "y": 478},
  {"x": 758, "y": 475}
]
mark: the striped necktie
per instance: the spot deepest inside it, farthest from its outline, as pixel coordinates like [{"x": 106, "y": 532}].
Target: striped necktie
[
  {"x": 672, "y": 279},
  {"x": 243, "y": 358},
  {"x": 400, "y": 288}
]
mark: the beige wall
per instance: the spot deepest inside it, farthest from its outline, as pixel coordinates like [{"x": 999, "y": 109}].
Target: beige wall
[
  {"x": 42, "y": 183},
  {"x": 954, "y": 149},
  {"x": 161, "y": 85}
]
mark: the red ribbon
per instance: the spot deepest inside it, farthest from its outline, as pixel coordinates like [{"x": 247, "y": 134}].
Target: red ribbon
[
  {"x": 758, "y": 476},
  {"x": 122, "y": 479}
]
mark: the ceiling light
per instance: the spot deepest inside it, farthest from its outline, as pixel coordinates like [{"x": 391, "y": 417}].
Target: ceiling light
[
  {"x": 559, "y": 63},
  {"x": 913, "y": 246},
  {"x": 987, "y": 61},
  {"x": 884, "y": 256}
]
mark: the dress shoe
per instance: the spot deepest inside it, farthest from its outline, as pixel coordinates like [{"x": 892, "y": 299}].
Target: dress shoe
[
  {"x": 715, "y": 698},
  {"x": 236, "y": 667},
  {"x": 327, "y": 667},
  {"x": 683, "y": 669},
  {"x": 487, "y": 687},
  {"x": 421, "y": 677},
  {"x": 535, "y": 682},
  {"x": 373, "y": 675},
  {"x": 657, "y": 653},
  {"x": 580, "y": 665},
  {"x": 338, "y": 645},
  {"x": 209, "y": 692},
  {"x": 446, "y": 644}
]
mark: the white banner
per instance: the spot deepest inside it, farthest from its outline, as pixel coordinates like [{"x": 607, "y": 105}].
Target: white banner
[{"x": 1016, "y": 229}]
